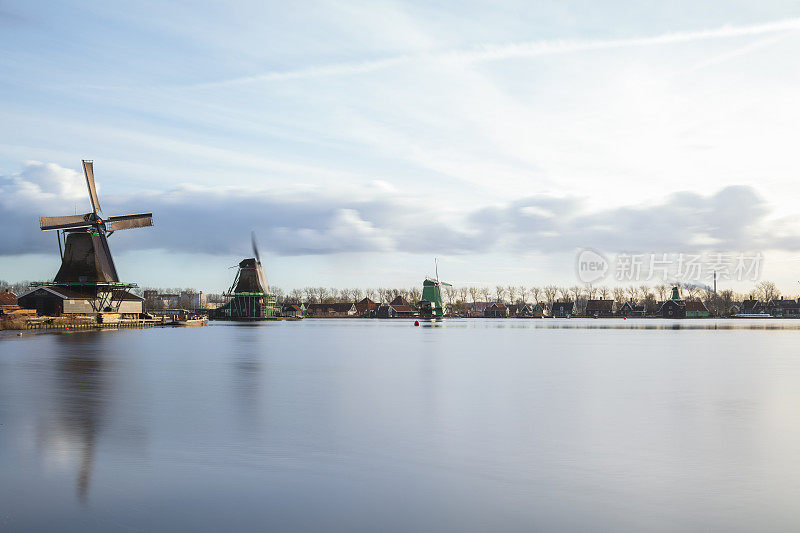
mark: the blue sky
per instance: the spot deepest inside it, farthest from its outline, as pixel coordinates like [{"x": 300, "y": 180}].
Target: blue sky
[{"x": 362, "y": 139}]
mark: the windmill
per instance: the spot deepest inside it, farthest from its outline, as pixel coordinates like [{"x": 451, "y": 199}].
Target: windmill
[
  {"x": 432, "y": 303},
  {"x": 249, "y": 296},
  {"x": 86, "y": 258}
]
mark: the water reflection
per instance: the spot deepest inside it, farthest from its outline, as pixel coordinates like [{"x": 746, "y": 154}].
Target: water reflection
[{"x": 81, "y": 393}]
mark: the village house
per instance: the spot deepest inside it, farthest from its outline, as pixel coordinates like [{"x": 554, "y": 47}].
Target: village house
[
  {"x": 496, "y": 310},
  {"x": 783, "y": 308},
  {"x": 752, "y": 306},
  {"x": 563, "y": 310},
  {"x": 293, "y": 310},
  {"x": 402, "y": 307},
  {"x": 521, "y": 310},
  {"x": 631, "y": 309},
  {"x": 600, "y": 308},
  {"x": 696, "y": 309},
  {"x": 331, "y": 310},
  {"x": 675, "y": 307},
  {"x": 366, "y": 308}
]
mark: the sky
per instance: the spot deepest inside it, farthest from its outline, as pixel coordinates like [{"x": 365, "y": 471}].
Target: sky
[{"x": 361, "y": 140}]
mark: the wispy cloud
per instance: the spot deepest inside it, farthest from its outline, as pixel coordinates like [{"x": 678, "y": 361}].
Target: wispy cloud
[{"x": 496, "y": 52}]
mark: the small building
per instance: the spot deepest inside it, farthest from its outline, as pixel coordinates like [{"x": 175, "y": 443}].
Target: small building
[
  {"x": 537, "y": 310},
  {"x": 752, "y": 306},
  {"x": 331, "y": 310},
  {"x": 675, "y": 307},
  {"x": 386, "y": 311},
  {"x": 402, "y": 307},
  {"x": 564, "y": 309},
  {"x": 293, "y": 310},
  {"x": 57, "y": 301},
  {"x": 521, "y": 310},
  {"x": 600, "y": 308},
  {"x": 696, "y": 309},
  {"x": 783, "y": 308},
  {"x": 496, "y": 310},
  {"x": 8, "y": 302},
  {"x": 631, "y": 309},
  {"x": 366, "y": 308}
]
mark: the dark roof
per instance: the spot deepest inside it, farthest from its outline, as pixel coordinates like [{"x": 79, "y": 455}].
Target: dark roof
[
  {"x": 399, "y": 300},
  {"x": 335, "y": 307},
  {"x": 61, "y": 292},
  {"x": 599, "y": 305},
  {"x": 125, "y": 295},
  {"x": 8, "y": 298},
  {"x": 563, "y": 306},
  {"x": 783, "y": 303},
  {"x": 366, "y": 305},
  {"x": 496, "y": 305},
  {"x": 694, "y": 306},
  {"x": 748, "y": 305}
]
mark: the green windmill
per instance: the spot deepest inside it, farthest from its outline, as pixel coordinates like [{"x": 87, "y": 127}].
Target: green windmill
[{"x": 432, "y": 303}]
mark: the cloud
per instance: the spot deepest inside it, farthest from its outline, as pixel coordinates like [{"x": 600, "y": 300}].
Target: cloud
[
  {"x": 492, "y": 52},
  {"x": 218, "y": 221}
]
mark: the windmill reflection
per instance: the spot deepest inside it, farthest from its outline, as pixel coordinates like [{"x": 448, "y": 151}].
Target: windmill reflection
[{"x": 81, "y": 395}]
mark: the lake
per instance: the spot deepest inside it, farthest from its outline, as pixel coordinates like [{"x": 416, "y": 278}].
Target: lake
[{"x": 369, "y": 425}]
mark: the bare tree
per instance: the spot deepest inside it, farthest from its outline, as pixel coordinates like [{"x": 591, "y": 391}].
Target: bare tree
[
  {"x": 415, "y": 294},
  {"x": 474, "y": 292},
  {"x": 311, "y": 294},
  {"x": 371, "y": 294},
  {"x": 565, "y": 292},
  {"x": 499, "y": 291},
  {"x": 357, "y": 294},
  {"x": 450, "y": 294},
  {"x": 296, "y": 295},
  {"x": 619, "y": 296},
  {"x": 535, "y": 292},
  {"x": 463, "y": 292},
  {"x": 661, "y": 291},
  {"x": 604, "y": 292},
  {"x": 575, "y": 293},
  {"x": 550, "y": 294},
  {"x": 591, "y": 291},
  {"x": 766, "y": 291},
  {"x": 632, "y": 291},
  {"x": 485, "y": 293},
  {"x": 511, "y": 291}
]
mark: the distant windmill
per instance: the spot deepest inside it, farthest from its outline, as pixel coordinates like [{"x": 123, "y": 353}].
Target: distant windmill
[
  {"x": 86, "y": 257},
  {"x": 432, "y": 303},
  {"x": 249, "y": 296}
]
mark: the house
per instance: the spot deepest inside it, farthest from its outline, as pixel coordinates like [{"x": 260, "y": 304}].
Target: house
[
  {"x": 402, "y": 307},
  {"x": 56, "y": 301},
  {"x": 293, "y": 310},
  {"x": 783, "y": 308},
  {"x": 600, "y": 308},
  {"x": 366, "y": 308},
  {"x": 496, "y": 310},
  {"x": 477, "y": 308},
  {"x": 563, "y": 309},
  {"x": 387, "y": 311},
  {"x": 752, "y": 307},
  {"x": 331, "y": 310},
  {"x": 8, "y": 302},
  {"x": 675, "y": 307},
  {"x": 632, "y": 309},
  {"x": 537, "y": 310},
  {"x": 520, "y": 310},
  {"x": 696, "y": 309}
]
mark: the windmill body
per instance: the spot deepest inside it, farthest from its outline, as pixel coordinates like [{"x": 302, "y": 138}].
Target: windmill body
[{"x": 432, "y": 303}]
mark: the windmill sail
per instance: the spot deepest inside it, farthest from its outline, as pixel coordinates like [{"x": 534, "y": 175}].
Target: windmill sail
[
  {"x": 88, "y": 171},
  {"x": 66, "y": 222},
  {"x": 120, "y": 222}
]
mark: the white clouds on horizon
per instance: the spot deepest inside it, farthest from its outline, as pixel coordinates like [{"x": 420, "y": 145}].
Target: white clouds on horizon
[{"x": 218, "y": 222}]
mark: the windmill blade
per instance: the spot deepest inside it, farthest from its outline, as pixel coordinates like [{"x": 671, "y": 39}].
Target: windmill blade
[
  {"x": 254, "y": 242},
  {"x": 136, "y": 220},
  {"x": 88, "y": 171},
  {"x": 66, "y": 222}
]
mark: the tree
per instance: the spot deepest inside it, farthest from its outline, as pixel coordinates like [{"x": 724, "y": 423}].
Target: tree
[
  {"x": 474, "y": 292},
  {"x": 296, "y": 295},
  {"x": 499, "y": 291},
  {"x": 591, "y": 291},
  {"x": 371, "y": 294},
  {"x": 450, "y": 294},
  {"x": 604, "y": 292},
  {"x": 511, "y": 291},
  {"x": 535, "y": 293},
  {"x": 311, "y": 294},
  {"x": 463, "y": 292},
  {"x": 485, "y": 293},
  {"x": 632, "y": 291},
  {"x": 662, "y": 291},
  {"x": 766, "y": 291},
  {"x": 415, "y": 294},
  {"x": 550, "y": 294},
  {"x": 619, "y": 296}
]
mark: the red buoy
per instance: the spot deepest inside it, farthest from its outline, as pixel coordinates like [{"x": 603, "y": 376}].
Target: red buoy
[
  {"x": 416, "y": 322},
  {"x": 66, "y": 328}
]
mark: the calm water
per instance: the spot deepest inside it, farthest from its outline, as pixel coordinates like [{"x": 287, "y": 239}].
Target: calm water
[{"x": 350, "y": 425}]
